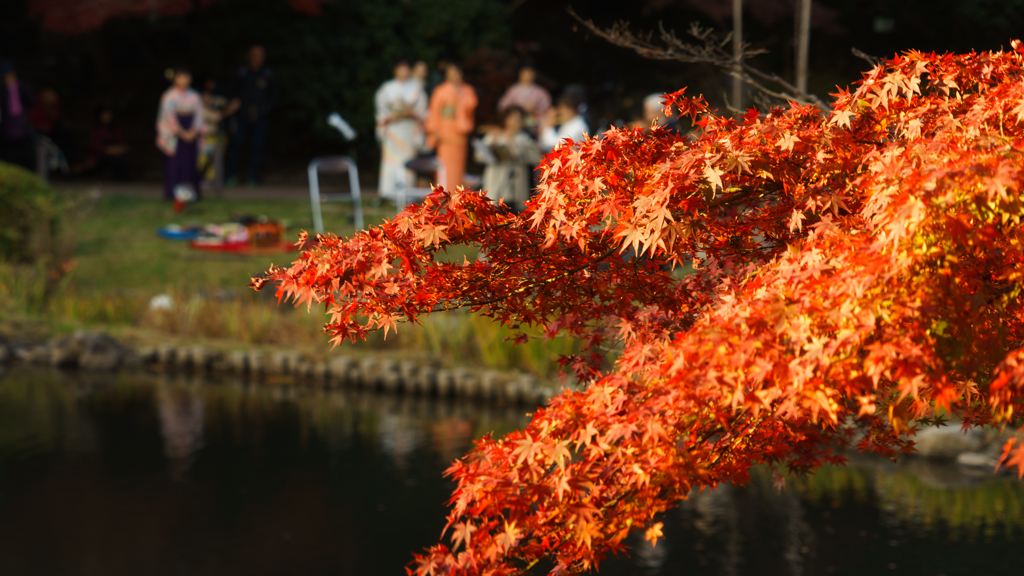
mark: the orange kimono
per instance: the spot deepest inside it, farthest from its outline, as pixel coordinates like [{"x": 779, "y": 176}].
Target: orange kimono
[{"x": 449, "y": 124}]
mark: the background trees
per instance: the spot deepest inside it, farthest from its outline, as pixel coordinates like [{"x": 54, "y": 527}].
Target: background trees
[{"x": 333, "y": 60}]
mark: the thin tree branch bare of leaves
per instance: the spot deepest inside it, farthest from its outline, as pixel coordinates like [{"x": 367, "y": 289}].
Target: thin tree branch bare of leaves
[
  {"x": 873, "y": 60},
  {"x": 708, "y": 48}
]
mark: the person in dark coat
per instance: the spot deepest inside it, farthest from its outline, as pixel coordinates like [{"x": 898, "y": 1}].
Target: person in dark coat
[
  {"x": 254, "y": 95},
  {"x": 48, "y": 120},
  {"x": 17, "y": 137},
  {"x": 108, "y": 149}
]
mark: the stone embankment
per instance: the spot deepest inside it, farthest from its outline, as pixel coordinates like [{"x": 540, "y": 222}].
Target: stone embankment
[
  {"x": 96, "y": 351},
  {"x": 976, "y": 449}
]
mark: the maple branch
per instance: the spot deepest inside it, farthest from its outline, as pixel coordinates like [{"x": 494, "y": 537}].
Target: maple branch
[
  {"x": 710, "y": 49},
  {"x": 726, "y": 200},
  {"x": 903, "y": 307},
  {"x": 542, "y": 283}
]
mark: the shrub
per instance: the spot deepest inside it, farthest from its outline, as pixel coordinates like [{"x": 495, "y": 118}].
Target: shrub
[
  {"x": 37, "y": 234},
  {"x": 30, "y": 216}
]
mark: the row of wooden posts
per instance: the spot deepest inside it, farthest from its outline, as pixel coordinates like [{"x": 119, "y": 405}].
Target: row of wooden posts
[{"x": 367, "y": 371}]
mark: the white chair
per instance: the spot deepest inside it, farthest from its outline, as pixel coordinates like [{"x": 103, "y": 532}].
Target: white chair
[
  {"x": 430, "y": 166},
  {"x": 334, "y": 165}
]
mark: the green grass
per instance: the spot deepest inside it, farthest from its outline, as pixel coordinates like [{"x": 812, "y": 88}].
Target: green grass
[
  {"x": 120, "y": 263},
  {"x": 119, "y": 250}
]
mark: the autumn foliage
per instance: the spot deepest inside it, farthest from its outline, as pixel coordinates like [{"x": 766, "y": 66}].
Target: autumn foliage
[{"x": 856, "y": 275}]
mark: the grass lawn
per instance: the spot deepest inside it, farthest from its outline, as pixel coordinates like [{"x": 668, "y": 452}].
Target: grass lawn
[
  {"x": 119, "y": 250},
  {"x": 121, "y": 263}
]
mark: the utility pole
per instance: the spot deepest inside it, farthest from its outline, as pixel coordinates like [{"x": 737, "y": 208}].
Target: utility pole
[
  {"x": 737, "y": 52},
  {"x": 803, "y": 41}
]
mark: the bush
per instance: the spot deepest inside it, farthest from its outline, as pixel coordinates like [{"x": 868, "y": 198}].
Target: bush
[
  {"x": 30, "y": 217},
  {"x": 37, "y": 239}
]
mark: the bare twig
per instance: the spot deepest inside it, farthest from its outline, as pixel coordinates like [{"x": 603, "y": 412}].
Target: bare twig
[
  {"x": 708, "y": 48},
  {"x": 729, "y": 106},
  {"x": 873, "y": 60}
]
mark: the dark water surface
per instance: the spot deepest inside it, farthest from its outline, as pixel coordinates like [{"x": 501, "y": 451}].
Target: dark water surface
[{"x": 158, "y": 475}]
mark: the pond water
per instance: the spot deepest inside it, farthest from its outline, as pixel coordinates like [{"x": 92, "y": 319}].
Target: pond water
[{"x": 161, "y": 475}]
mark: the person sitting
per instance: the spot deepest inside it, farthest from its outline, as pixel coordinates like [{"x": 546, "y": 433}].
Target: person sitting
[
  {"x": 509, "y": 155},
  {"x": 48, "y": 120},
  {"x": 563, "y": 121},
  {"x": 108, "y": 150}
]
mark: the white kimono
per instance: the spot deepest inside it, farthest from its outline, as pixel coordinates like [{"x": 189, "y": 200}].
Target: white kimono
[
  {"x": 571, "y": 128},
  {"x": 401, "y": 110}
]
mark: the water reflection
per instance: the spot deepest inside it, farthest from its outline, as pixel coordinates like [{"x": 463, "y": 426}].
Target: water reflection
[
  {"x": 181, "y": 425},
  {"x": 167, "y": 475}
]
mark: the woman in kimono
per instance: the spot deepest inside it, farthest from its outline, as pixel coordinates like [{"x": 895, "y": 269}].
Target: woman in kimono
[
  {"x": 512, "y": 154},
  {"x": 528, "y": 95},
  {"x": 401, "y": 109},
  {"x": 450, "y": 122},
  {"x": 179, "y": 126}
]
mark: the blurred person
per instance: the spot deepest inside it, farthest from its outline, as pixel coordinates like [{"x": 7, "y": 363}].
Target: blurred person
[
  {"x": 654, "y": 113},
  {"x": 17, "y": 136},
  {"x": 108, "y": 150},
  {"x": 449, "y": 123},
  {"x": 48, "y": 120},
  {"x": 179, "y": 129},
  {"x": 563, "y": 121},
  {"x": 436, "y": 77},
  {"x": 401, "y": 106},
  {"x": 211, "y": 153},
  {"x": 512, "y": 155},
  {"x": 420, "y": 72},
  {"x": 532, "y": 98},
  {"x": 254, "y": 95}
]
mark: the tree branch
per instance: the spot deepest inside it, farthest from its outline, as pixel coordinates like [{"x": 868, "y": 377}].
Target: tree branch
[
  {"x": 873, "y": 60},
  {"x": 709, "y": 49}
]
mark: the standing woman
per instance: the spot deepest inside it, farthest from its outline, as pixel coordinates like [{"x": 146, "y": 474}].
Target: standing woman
[
  {"x": 17, "y": 136},
  {"x": 450, "y": 122},
  {"x": 401, "y": 109},
  {"x": 179, "y": 126}
]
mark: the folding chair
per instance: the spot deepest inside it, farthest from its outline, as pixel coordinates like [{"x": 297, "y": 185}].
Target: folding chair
[
  {"x": 333, "y": 165},
  {"x": 430, "y": 166},
  {"x": 48, "y": 158}
]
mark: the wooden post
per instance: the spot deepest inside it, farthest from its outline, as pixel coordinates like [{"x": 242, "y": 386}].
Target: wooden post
[
  {"x": 737, "y": 51},
  {"x": 803, "y": 41}
]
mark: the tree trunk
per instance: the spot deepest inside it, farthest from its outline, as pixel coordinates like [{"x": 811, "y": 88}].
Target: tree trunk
[
  {"x": 803, "y": 41},
  {"x": 737, "y": 52}
]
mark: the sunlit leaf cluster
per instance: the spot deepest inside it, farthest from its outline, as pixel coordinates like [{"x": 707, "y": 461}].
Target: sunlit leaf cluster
[{"x": 848, "y": 275}]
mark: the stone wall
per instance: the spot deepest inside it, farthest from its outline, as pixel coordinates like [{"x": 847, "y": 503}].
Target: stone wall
[{"x": 99, "y": 352}]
